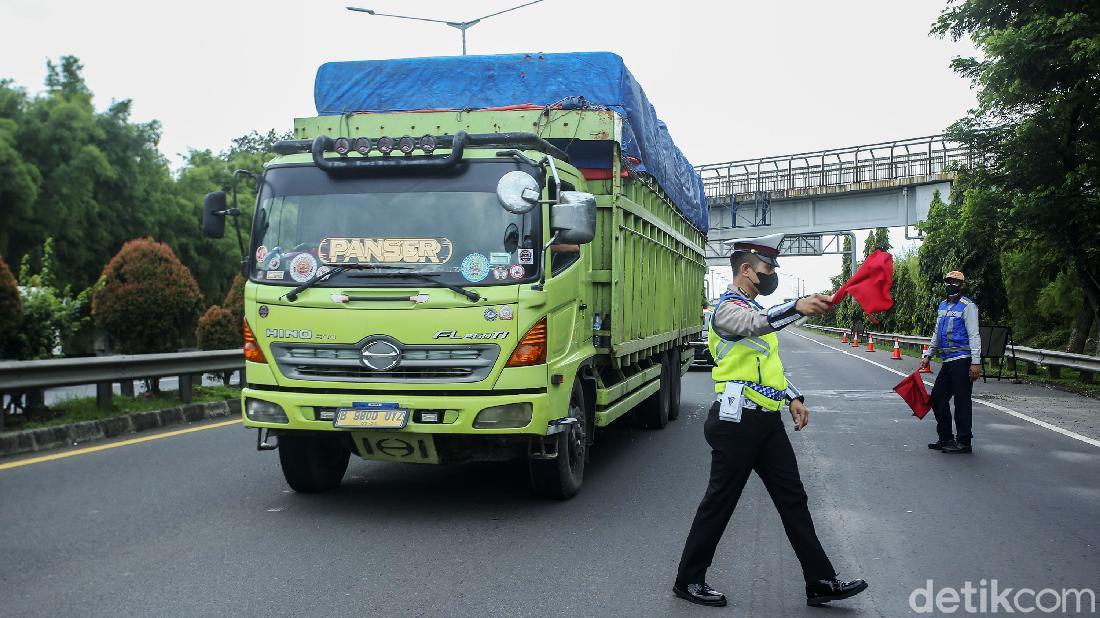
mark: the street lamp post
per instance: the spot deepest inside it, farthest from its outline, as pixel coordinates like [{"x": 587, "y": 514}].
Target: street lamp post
[{"x": 462, "y": 26}]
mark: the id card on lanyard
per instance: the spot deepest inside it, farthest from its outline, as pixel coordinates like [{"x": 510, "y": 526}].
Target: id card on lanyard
[{"x": 733, "y": 398}]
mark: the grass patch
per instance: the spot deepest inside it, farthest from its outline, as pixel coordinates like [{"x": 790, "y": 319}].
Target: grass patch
[
  {"x": 80, "y": 409},
  {"x": 1068, "y": 379}
]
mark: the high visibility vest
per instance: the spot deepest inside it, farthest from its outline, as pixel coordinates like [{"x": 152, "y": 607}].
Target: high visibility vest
[
  {"x": 752, "y": 361},
  {"x": 954, "y": 341}
]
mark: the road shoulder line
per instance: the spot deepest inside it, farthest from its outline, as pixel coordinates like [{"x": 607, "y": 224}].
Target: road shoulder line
[{"x": 989, "y": 404}]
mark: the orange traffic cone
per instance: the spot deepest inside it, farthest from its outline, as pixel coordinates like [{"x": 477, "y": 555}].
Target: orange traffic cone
[
  {"x": 896, "y": 354},
  {"x": 855, "y": 340},
  {"x": 844, "y": 339},
  {"x": 927, "y": 369},
  {"x": 870, "y": 343}
]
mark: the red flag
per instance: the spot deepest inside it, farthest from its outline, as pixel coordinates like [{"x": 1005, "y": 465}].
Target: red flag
[
  {"x": 913, "y": 392},
  {"x": 870, "y": 286}
]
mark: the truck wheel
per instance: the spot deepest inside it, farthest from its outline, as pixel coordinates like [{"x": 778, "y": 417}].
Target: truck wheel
[
  {"x": 674, "y": 388},
  {"x": 655, "y": 409},
  {"x": 313, "y": 464},
  {"x": 560, "y": 478}
]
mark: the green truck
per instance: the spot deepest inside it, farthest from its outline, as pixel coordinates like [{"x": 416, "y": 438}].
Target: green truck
[{"x": 449, "y": 274}]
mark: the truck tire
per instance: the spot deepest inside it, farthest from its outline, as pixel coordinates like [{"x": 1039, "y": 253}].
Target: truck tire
[
  {"x": 312, "y": 464},
  {"x": 655, "y": 409},
  {"x": 675, "y": 387},
  {"x": 561, "y": 478}
]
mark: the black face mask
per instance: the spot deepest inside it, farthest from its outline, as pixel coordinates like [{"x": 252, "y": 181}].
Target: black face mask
[
  {"x": 766, "y": 284},
  {"x": 953, "y": 289}
]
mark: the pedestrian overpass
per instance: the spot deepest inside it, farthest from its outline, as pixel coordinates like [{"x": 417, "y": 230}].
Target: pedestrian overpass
[{"x": 818, "y": 197}]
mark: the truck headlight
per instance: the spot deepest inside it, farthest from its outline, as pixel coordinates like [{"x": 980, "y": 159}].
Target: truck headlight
[
  {"x": 507, "y": 416},
  {"x": 264, "y": 411}
]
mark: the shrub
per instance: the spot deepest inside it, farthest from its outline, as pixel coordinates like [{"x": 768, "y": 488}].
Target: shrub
[
  {"x": 11, "y": 311},
  {"x": 147, "y": 300},
  {"x": 234, "y": 298},
  {"x": 219, "y": 330}
]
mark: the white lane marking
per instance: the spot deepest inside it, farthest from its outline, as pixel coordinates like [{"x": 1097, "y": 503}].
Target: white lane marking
[{"x": 1000, "y": 408}]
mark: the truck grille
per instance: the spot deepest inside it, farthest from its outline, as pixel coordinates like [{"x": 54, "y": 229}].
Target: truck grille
[{"x": 415, "y": 363}]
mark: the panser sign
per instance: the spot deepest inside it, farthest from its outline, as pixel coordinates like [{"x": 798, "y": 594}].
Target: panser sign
[{"x": 384, "y": 250}]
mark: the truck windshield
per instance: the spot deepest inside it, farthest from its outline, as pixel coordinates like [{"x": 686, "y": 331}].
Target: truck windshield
[{"x": 450, "y": 225}]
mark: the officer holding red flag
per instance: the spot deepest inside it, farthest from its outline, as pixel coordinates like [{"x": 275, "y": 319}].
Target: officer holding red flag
[
  {"x": 744, "y": 428},
  {"x": 957, "y": 341}
]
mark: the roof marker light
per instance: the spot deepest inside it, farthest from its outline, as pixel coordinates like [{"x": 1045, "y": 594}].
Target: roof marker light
[
  {"x": 385, "y": 145},
  {"x": 406, "y": 145},
  {"x": 363, "y": 145},
  {"x": 428, "y": 144},
  {"x": 342, "y": 146}
]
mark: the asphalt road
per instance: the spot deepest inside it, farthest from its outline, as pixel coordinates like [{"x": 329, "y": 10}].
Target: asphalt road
[{"x": 203, "y": 524}]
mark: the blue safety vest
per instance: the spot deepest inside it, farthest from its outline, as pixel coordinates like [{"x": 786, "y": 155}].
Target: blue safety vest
[{"x": 954, "y": 341}]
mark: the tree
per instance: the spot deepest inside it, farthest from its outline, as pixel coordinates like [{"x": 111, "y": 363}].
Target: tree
[
  {"x": 11, "y": 311},
  {"x": 51, "y": 315},
  {"x": 961, "y": 235},
  {"x": 1034, "y": 130},
  {"x": 148, "y": 300}
]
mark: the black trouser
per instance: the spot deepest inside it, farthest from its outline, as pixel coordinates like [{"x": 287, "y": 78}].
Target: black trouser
[
  {"x": 759, "y": 442},
  {"x": 953, "y": 381}
]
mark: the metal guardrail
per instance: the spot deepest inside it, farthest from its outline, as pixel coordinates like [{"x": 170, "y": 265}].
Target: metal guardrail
[
  {"x": 921, "y": 156},
  {"x": 26, "y": 380},
  {"x": 1052, "y": 360}
]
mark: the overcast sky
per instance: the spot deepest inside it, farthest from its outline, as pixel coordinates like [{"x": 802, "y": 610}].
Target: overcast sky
[{"x": 732, "y": 80}]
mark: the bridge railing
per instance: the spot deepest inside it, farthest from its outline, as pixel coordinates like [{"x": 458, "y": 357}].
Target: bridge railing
[{"x": 920, "y": 156}]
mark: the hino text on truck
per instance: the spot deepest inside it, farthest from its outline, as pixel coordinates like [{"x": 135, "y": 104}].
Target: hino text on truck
[{"x": 468, "y": 259}]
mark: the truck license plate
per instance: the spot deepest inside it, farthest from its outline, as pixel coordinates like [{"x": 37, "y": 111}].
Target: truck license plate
[{"x": 366, "y": 418}]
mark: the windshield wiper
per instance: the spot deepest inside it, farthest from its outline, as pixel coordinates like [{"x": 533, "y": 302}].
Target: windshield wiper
[
  {"x": 401, "y": 272},
  {"x": 293, "y": 294}
]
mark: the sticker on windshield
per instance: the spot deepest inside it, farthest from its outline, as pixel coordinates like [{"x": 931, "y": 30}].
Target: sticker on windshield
[
  {"x": 516, "y": 271},
  {"x": 274, "y": 275},
  {"x": 475, "y": 267},
  {"x": 500, "y": 273},
  {"x": 384, "y": 251},
  {"x": 322, "y": 271},
  {"x": 303, "y": 267},
  {"x": 526, "y": 256},
  {"x": 498, "y": 259},
  {"x": 274, "y": 263},
  {"x": 261, "y": 254}
]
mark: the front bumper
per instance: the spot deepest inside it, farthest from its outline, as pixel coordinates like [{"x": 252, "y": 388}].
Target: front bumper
[{"x": 458, "y": 411}]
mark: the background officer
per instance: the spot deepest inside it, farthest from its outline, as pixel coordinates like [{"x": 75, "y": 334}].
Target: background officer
[
  {"x": 957, "y": 341},
  {"x": 745, "y": 429}
]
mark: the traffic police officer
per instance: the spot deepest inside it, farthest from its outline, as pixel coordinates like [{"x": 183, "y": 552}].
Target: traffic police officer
[
  {"x": 958, "y": 343},
  {"x": 745, "y": 429}
]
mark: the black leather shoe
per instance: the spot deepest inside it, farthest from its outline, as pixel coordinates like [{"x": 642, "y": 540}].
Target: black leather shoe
[
  {"x": 956, "y": 447},
  {"x": 939, "y": 444},
  {"x": 824, "y": 590},
  {"x": 700, "y": 594}
]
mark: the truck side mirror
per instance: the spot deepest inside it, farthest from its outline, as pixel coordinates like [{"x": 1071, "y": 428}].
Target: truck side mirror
[
  {"x": 518, "y": 192},
  {"x": 573, "y": 218},
  {"x": 213, "y": 214}
]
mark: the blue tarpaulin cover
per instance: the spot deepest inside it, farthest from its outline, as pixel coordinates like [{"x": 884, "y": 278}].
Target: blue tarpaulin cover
[{"x": 480, "y": 82}]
